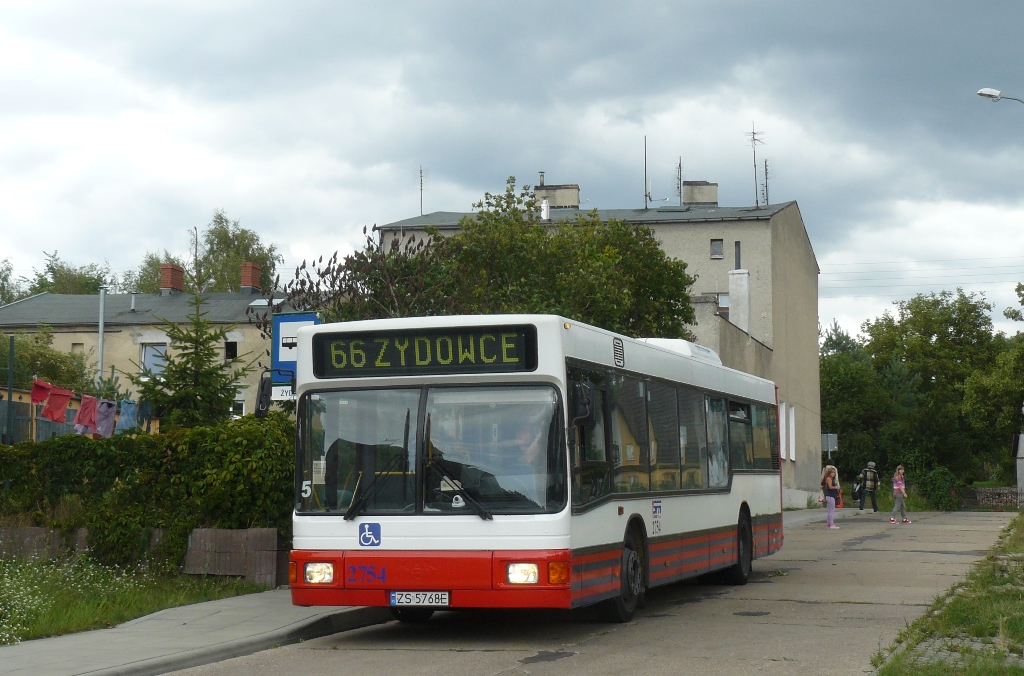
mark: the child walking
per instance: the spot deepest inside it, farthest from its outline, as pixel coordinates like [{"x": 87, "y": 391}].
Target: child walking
[{"x": 899, "y": 494}]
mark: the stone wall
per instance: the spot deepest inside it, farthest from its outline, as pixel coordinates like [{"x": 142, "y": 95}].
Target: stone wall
[
  {"x": 251, "y": 553},
  {"x": 990, "y": 497}
]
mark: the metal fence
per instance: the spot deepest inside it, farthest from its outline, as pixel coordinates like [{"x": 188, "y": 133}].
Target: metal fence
[{"x": 22, "y": 428}]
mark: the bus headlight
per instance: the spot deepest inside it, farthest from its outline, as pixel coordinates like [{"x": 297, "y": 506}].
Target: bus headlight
[
  {"x": 319, "y": 573},
  {"x": 522, "y": 573}
]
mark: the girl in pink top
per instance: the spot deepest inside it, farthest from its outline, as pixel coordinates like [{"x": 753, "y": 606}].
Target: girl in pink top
[{"x": 899, "y": 494}]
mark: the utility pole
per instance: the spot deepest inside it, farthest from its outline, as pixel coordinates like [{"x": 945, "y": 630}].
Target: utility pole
[
  {"x": 10, "y": 394},
  {"x": 421, "y": 190},
  {"x": 99, "y": 368}
]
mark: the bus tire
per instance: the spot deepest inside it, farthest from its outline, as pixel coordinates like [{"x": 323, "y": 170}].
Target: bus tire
[
  {"x": 739, "y": 573},
  {"x": 631, "y": 576},
  {"x": 411, "y": 615}
]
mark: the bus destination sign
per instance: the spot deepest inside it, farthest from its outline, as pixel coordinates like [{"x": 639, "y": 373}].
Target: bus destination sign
[{"x": 489, "y": 349}]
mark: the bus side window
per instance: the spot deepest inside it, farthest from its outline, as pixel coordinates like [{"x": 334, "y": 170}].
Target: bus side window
[
  {"x": 630, "y": 445},
  {"x": 764, "y": 453},
  {"x": 664, "y": 430},
  {"x": 591, "y": 473},
  {"x": 741, "y": 437},
  {"x": 718, "y": 442},
  {"x": 693, "y": 439}
]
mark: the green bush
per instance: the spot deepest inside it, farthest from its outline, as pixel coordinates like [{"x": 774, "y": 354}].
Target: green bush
[
  {"x": 939, "y": 489},
  {"x": 237, "y": 474}
]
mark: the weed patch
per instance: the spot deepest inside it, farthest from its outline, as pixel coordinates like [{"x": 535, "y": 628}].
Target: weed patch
[{"x": 48, "y": 598}]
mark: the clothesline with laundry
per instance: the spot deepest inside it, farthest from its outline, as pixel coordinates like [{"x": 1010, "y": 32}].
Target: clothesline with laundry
[{"x": 95, "y": 415}]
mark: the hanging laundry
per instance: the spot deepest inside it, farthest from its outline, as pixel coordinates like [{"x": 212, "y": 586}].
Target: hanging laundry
[
  {"x": 83, "y": 430},
  {"x": 105, "y": 413},
  {"x": 86, "y": 416},
  {"x": 126, "y": 421},
  {"x": 145, "y": 415},
  {"x": 40, "y": 391},
  {"x": 57, "y": 404}
]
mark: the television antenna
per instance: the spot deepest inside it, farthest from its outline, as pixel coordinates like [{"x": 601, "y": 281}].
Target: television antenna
[
  {"x": 649, "y": 183},
  {"x": 679, "y": 180},
  {"x": 755, "y": 139}
]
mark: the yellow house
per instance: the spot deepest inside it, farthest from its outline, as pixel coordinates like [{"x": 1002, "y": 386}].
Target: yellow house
[{"x": 133, "y": 337}]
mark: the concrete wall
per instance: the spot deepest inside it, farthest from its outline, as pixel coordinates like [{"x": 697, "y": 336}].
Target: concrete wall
[
  {"x": 122, "y": 349},
  {"x": 794, "y": 286},
  {"x": 691, "y": 242}
]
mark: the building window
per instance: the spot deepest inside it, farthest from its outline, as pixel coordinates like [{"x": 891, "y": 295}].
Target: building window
[
  {"x": 154, "y": 357},
  {"x": 717, "y": 248},
  {"x": 237, "y": 409},
  {"x": 77, "y": 348},
  {"x": 738, "y": 259},
  {"x": 230, "y": 350}
]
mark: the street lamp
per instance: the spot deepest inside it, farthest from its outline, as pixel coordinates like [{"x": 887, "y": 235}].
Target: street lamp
[{"x": 994, "y": 95}]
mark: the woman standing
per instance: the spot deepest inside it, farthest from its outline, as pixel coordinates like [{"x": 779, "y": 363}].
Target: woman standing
[
  {"x": 899, "y": 495},
  {"x": 831, "y": 495}
]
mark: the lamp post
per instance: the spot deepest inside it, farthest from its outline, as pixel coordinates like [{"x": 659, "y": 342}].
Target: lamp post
[{"x": 994, "y": 95}]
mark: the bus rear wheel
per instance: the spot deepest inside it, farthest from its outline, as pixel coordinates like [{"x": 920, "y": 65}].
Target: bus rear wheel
[
  {"x": 411, "y": 615},
  {"x": 739, "y": 573},
  {"x": 631, "y": 576}
]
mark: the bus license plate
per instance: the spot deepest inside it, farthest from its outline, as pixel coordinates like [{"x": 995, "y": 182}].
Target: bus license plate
[{"x": 434, "y": 598}]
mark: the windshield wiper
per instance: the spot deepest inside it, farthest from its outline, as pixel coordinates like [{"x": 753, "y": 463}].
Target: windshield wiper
[
  {"x": 438, "y": 468},
  {"x": 364, "y": 497}
]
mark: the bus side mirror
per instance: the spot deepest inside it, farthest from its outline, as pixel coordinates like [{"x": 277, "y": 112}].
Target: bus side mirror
[
  {"x": 581, "y": 403},
  {"x": 263, "y": 393}
]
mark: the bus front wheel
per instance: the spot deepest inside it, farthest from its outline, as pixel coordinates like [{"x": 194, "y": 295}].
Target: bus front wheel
[
  {"x": 739, "y": 573},
  {"x": 631, "y": 589}
]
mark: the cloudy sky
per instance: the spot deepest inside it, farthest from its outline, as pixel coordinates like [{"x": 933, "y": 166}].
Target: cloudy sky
[{"x": 125, "y": 124}]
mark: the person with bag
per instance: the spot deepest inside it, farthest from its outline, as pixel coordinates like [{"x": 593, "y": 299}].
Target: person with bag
[
  {"x": 831, "y": 487},
  {"x": 868, "y": 481}
]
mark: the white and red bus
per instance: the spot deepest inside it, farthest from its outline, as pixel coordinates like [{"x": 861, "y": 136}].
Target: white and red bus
[{"x": 523, "y": 461}]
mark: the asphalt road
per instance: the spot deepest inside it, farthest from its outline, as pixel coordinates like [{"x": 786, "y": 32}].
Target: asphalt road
[{"x": 823, "y": 604}]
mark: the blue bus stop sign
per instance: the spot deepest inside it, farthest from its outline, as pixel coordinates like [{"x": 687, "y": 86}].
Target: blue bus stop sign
[{"x": 283, "y": 352}]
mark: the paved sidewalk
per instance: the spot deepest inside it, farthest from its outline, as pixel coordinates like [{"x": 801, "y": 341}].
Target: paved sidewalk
[{"x": 188, "y": 636}]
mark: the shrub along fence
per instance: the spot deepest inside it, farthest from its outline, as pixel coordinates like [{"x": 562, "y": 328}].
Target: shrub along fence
[{"x": 235, "y": 475}]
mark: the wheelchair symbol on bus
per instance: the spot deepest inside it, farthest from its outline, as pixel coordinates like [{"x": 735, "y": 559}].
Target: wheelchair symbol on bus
[{"x": 369, "y": 536}]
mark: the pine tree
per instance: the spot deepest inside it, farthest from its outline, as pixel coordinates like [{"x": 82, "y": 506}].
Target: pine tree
[{"x": 197, "y": 385}]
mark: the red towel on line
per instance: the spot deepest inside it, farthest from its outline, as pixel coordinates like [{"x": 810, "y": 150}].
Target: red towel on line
[
  {"x": 57, "y": 404},
  {"x": 40, "y": 391},
  {"x": 86, "y": 416}
]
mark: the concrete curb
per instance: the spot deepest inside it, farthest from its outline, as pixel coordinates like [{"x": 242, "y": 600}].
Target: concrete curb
[{"x": 345, "y": 620}]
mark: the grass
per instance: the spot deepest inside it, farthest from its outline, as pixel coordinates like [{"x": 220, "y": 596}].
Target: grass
[
  {"x": 48, "y": 598},
  {"x": 981, "y": 618}
]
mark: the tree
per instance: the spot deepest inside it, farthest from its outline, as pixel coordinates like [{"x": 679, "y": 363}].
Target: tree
[
  {"x": 58, "y": 276},
  {"x": 610, "y": 274},
  {"x": 146, "y": 278},
  {"x": 197, "y": 385},
  {"x": 925, "y": 352},
  {"x": 10, "y": 288},
  {"x": 218, "y": 254},
  {"x": 993, "y": 397},
  {"x": 503, "y": 260},
  {"x": 226, "y": 245}
]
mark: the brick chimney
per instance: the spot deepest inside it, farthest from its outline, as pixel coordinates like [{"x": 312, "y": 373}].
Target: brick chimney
[
  {"x": 172, "y": 279},
  {"x": 250, "y": 278}
]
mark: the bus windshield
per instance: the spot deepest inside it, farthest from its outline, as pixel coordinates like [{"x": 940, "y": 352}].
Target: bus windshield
[{"x": 466, "y": 450}]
